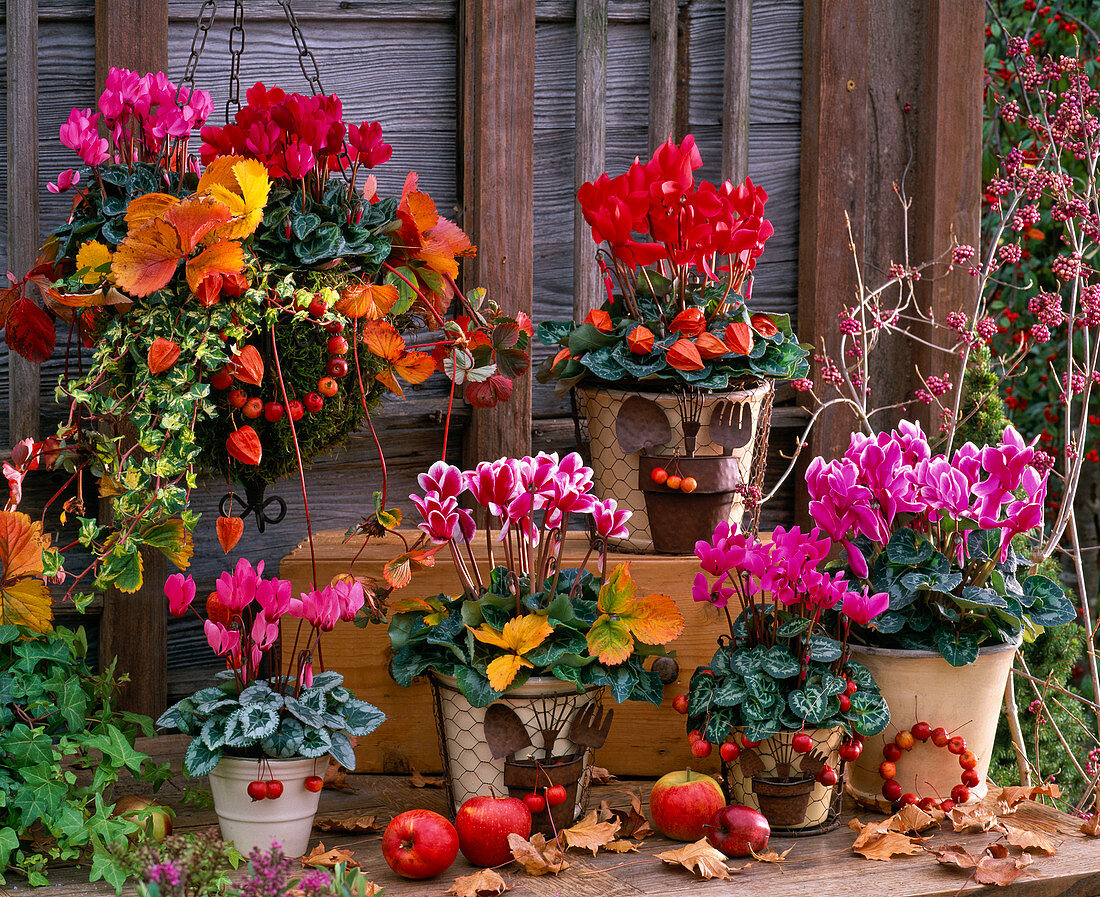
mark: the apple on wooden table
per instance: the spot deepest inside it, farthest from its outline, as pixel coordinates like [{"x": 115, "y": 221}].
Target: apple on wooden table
[
  {"x": 738, "y": 831},
  {"x": 484, "y": 824},
  {"x": 683, "y": 803},
  {"x": 419, "y": 844}
]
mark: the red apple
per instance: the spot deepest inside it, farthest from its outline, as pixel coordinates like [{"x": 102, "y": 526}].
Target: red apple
[
  {"x": 683, "y": 802},
  {"x": 484, "y": 824},
  {"x": 419, "y": 844},
  {"x": 738, "y": 831},
  {"x": 152, "y": 818}
]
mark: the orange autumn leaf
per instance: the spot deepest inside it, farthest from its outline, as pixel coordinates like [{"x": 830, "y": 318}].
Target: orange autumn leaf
[
  {"x": 94, "y": 259},
  {"x": 242, "y": 186},
  {"x": 421, "y": 210},
  {"x": 24, "y": 596},
  {"x": 599, "y": 319},
  {"x": 384, "y": 342},
  {"x": 683, "y": 356},
  {"x": 739, "y": 338},
  {"x": 163, "y": 353},
  {"x": 764, "y": 325},
  {"x": 710, "y": 346},
  {"x": 147, "y": 259},
  {"x": 147, "y": 208},
  {"x": 224, "y": 257},
  {"x": 519, "y": 636},
  {"x": 640, "y": 340},
  {"x": 624, "y": 618},
  {"x": 367, "y": 300},
  {"x": 194, "y": 219},
  {"x": 230, "y": 530}
]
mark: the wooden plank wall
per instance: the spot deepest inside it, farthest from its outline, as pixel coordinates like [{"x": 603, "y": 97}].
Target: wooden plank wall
[{"x": 395, "y": 61}]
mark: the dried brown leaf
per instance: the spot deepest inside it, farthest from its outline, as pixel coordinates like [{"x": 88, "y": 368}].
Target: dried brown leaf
[
  {"x": 1091, "y": 826},
  {"x": 336, "y": 778},
  {"x": 976, "y": 819},
  {"x": 770, "y": 856},
  {"x": 891, "y": 844},
  {"x": 621, "y": 846},
  {"x": 536, "y": 856},
  {"x": 1001, "y": 871},
  {"x": 320, "y": 858},
  {"x": 867, "y": 832},
  {"x": 956, "y": 855},
  {"x": 359, "y": 823},
  {"x": 911, "y": 818},
  {"x": 1011, "y": 797},
  {"x": 700, "y": 858},
  {"x": 1026, "y": 839},
  {"x": 633, "y": 822},
  {"x": 478, "y": 884},
  {"x": 590, "y": 833},
  {"x": 597, "y": 775},
  {"x": 418, "y": 780}
]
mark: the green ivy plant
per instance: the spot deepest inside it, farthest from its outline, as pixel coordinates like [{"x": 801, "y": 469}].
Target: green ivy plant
[
  {"x": 258, "y": 721},
  {"x": 62, "y": 745}
]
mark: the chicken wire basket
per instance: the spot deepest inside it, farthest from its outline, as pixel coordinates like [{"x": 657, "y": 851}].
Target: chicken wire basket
[{"x": 545, "y": 706}]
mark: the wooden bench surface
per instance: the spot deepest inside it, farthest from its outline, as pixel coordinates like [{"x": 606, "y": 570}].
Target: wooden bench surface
[{"x": 820, "y": 866}]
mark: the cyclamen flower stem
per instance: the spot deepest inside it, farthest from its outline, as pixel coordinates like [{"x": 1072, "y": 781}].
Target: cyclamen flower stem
[
  {"x": 460, "y": 568},
  {"x": 473, "y": 563},
  {"x": 489, "y": 541}
]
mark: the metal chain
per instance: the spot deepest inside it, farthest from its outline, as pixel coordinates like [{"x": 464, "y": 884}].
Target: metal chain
[
  {"x": 198, "y": 43},
  {"x": 312, "y": 73},
  {"x": 236, "y": 49}
]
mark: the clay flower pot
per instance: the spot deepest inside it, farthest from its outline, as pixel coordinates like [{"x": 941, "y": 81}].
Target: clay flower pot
[{"x": 920, "y": 686}]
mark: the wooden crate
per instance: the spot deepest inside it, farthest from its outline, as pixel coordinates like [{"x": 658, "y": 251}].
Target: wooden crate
[{"x": 644, "y": 741}]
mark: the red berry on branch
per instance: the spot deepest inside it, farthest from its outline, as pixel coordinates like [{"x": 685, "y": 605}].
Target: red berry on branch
[
  {"x": 274, "y": 789},
  {"x": 701, "y": 748},
  {"x": 222, "y": 379},
  {"x": 673, "y": 482},
  {"x": 845, "y": 703},
  {"x": 908, "y": 798},
  {"x": 729, "y": 751},
  {"x": 335, "y": 327},
  {"x": 314, "y": 402},
  {"x": 905, "y": 740},
  {"x": 273, "y": 412},
  {"x": 851, "y": 688},
  {"x": 827, "y": 776},
  {"x": 327, "y": 387},
  {"x": 927, "y": 803},
  {"x": 921, "y": 731},
  {"x": 253, "y": 408},
  {"x": 940, "y": 736},
  {"x": 337, "y": 345},
  {"x": 555, "y": 795},
  {"x": 887, "y": 769},
  {"x": 957, "y": 745},
  {"x": 745, "y": 743},
  {"x": 802, "y": 743},
  {"x": 970, "y": 778},
  {"x": 295, "y": 410},
  {"x": 968, "y": 759},
  {"x": 688, "y": 484},
  {"x": 317, "y": 307},
  {"x": 851, "y": 750},
  {"x": 960, "y": 794},
  {"x": 336, "y": 367},
  {"x": 536, "y": 803},
  {"x": 680, "y": 703},
  {"x": 891, "y": 752},
  {"x": 891, "y": 790},
  {"x": 237, "y": 398},
  {"x": 658, "y": 475},
  {"x": 257, "y": 790},
  {"x": 694, "y": 735},
  {"x": 947, "y": 805},
  {"x": 314, "y": 783}
]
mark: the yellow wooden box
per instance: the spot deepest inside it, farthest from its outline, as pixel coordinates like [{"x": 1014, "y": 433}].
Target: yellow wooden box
[{"x": 644, "y": 740}]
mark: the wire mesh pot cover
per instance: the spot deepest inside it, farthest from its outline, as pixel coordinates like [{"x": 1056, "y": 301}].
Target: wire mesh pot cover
[
  {"x": 545, "y": 706},
  {"x": 625, "y": 424}
]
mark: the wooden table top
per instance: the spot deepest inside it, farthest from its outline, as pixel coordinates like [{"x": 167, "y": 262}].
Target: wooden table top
[{"x": 821, "y": 866}]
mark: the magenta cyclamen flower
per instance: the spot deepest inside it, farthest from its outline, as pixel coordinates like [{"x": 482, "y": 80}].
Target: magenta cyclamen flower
[
  {"x": 862, "y": 608},
  {"x": 223, "y": 641},
  {"x": 320, "y": 607},
  {"x": 442, "y": 516},
  {"x": 238, "y": 590},
  {"x": 68, "y": 179},
  {"x": 442, "y": 478},
  {"x": 180, "y": 592},
  {"x": 610, "y": 521}
]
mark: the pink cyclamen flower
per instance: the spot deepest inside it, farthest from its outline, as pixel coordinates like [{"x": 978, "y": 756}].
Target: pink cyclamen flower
[
  {"x": 351, "y": 598},
  {"x": 321, "y": 608},
  {"x": 80, "y": 124},
  {"x": 367, "y": 146},
  {"x": 300, "y": 160},
  {"x": 66, "y": 180},
  {"x": 94, "y": 150},
  {"x": 223, "y": 641},
  {"x": 610, "y": 520},
  {"x": 273, "y": 596},
  {"x": 440, "y": 515},
  {"x": 443, "y": 478},
  {"x": 307, "y": 674},
  {"x": 716, "y": 594},
  {"x": 862, "y": 608},
  {"x": 493, "y": 485},
  {"x": 180, "y": 592},
  {"x": 264, "y": 631},
  {"x": 238, "y": 590}
]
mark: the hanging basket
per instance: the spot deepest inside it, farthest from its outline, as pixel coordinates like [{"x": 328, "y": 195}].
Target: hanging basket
[{"x": 630, "y": 431}]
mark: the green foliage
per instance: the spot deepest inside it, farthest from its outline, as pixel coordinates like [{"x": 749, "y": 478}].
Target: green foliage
[
  {"x": 596, "y": 355},
  {"x": 62, "y": 744},
  {"x": 939, "y": 605},
  {"x": 264, "y": 720},
  {"x": 202, "y": 860},
  {"x": 437, "y": 636}
]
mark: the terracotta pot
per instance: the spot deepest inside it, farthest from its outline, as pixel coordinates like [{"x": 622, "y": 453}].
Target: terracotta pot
[
  {"x": 922, "y": 686},
  {"x": 288, "y": 819},
  {"x": 678, "y": 520},
  {"x": 543, "y": 704},
  {"x": 768, "y": 778},
  {"x": 525, "y": 776},
  {"x": 655, "y": 429}
]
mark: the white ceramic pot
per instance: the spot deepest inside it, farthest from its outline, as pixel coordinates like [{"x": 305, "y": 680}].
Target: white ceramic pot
[
  {"x": 920, "y": 686},
  {"x": 792, "y": 802},
  {"x": 540, "y": 703},
  {"x": 616, "y": 470},
  {"x": 288, "y": 819}
]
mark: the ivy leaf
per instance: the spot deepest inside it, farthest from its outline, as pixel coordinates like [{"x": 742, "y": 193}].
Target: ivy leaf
[
  {"x": 116, "y": 748},
  {"x": 174, "y": 540},
  {"x": 653, "y": 620}
]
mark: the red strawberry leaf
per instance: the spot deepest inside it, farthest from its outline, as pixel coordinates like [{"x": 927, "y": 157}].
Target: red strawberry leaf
[{"x": 30, "y": 331}]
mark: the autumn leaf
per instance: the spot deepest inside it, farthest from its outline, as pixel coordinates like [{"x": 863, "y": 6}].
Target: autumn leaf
[
  {"x": 912, "y": 818},
  {"x": 700, "y": 858},
  {"x": 418, "y": 780},
  {"x": 590, "y": 833},
  {"x": 519, "y": 636},
  {"x": 1026, "y": 839},
  {"x": 384, "y": 342},
  {"x": 320, "y": 858},
  {"x": 398, "y": 571},
  {"x": 354, "y": 823},
  {"x": 336, "y": 777},
  {"x": 597, "y": 775},
  {"x": 1012, "y": 796},
  {"x": 230, "y": 530},
  {"x": 536, "y": 856},
  {"x": 219, "y": 259},
  {"x": 244, "y": 445},
  {"x": 174, "y": 540},
  {"x": 479, "y": 884},
  {"x": 956, "y": 855},
  {"x": 367, "y": 300},
  {"x": 242, "y": 186},
  {"x": 1001, "y": 871},
  {"x": 770, "y": 856},
  {"x": 1091, "y": 826},
  {"x": 24, "y": 596},
  {"x": 977, "y": 819},
  {"x": 432, "y": 608},
  {"x": 653, "y": 620},
  {"x": 163, "y": 353},
  {"x": 889, "y": 845},
  {"x": 867, "y": 832},
  {"x": 93, "y": 262},
  {"x": 633, "y": 822},
  {"x": 29, "y": 331},
  {"x": 620, "y": 846}
]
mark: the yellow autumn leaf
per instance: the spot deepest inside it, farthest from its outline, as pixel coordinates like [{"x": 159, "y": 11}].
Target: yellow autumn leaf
[
  {"x": 653, "y": 620},
  {"x": 24, "y": 595},
  {"x": 242, "y": 185},
  {"x": 93, "y": 255},
  {"x": 519, "y": 636},
  {"x": 174, "y": 540}
]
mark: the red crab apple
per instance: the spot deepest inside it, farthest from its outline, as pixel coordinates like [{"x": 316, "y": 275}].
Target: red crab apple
[
  {"x": 419, "y": 844},
  {"x": 683, "y": 802},
  {"x": 738, "y": 831},
  {"x": 484, "y": 824}
]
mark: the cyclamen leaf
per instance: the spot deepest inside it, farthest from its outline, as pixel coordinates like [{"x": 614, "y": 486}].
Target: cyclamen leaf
[{"x": 199, "y": 760}]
